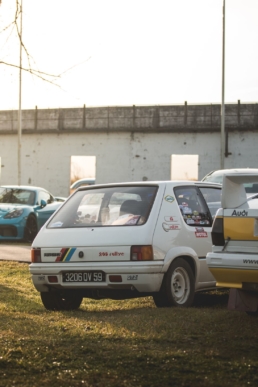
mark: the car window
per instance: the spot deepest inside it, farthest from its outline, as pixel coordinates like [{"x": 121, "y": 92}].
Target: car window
[
  {"x": 212, "y": 197},
  {"x": 113, "y": 206},
  {"x": 214, "y": 179},
  {"x": 17, "y": 196},
  {"x": 193, "y": 204},
  {"x": 43, "y": 195}
]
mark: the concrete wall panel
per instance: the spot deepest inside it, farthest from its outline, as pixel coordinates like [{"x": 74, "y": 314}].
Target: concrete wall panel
[{"x": 130, "y": 143}]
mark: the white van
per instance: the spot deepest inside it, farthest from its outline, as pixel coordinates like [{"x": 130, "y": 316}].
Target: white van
[{"x": 127, "y": 240}]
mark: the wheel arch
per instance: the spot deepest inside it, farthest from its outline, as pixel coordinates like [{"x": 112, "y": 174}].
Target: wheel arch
[
  {"x": 32, "y": 215},
  {"x": 188, "y": 254}
]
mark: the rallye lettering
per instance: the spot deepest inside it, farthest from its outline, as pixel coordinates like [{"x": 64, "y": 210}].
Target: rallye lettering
[{"x": 113, "y": 254}]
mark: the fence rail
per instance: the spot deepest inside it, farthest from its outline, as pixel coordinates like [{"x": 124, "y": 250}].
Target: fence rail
[{"x": 190, "y": 118}]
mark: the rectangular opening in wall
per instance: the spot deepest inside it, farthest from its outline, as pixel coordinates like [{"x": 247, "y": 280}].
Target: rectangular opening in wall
[
  {"x": 184, "y": 167},
  {"x": 83, "y": 171}
]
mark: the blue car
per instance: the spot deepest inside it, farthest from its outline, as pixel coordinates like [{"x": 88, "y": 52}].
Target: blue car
[{"x": 24, "y": 210}]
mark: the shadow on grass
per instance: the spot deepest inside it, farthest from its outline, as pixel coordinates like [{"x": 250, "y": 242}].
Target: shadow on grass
[
  {"x": 216, "y": 298},
  {"x": 16, "y": 300}
]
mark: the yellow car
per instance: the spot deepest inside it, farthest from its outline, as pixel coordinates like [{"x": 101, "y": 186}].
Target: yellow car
[{"x": 234, "y": 257}]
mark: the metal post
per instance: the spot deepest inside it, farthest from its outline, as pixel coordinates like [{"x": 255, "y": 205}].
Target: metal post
[
  {"x": 222, "y": 147},
  {"x": 20, "y": 95}
]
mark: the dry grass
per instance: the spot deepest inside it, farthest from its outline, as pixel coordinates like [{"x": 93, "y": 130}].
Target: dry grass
[{"x": 121, "y": 343}]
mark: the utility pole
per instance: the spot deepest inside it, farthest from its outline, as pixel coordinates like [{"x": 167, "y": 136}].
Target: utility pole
[
  {"x": 222, "y": 146},
  {"x": 20, "y": 98}
]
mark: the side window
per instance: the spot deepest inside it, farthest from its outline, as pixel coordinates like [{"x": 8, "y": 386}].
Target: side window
[
  {"x": 212, "y": 197},
  {"x": 193, "y": 207},
  {"x": 45, "y": 196}
]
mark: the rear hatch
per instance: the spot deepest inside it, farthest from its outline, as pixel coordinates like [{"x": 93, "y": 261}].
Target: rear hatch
[
  {"x": 101, "y": 224},
  {"x": 240, "y": 214}
]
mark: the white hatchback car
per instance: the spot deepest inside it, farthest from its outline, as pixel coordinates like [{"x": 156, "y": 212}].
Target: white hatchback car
[{"x": 138, "y": 239}]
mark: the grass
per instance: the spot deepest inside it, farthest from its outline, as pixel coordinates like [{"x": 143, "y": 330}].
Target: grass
[{"x": 122, "y": 343}]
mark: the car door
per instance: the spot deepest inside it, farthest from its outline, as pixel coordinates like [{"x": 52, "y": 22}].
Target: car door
[
  {"x": 194, "y": 205},
  {"x": 45, "y": 212}
]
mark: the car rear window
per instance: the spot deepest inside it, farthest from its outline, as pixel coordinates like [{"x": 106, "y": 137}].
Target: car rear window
[
  {"x": 198, "y": 205},
  {"x": 109, "y": 206}
]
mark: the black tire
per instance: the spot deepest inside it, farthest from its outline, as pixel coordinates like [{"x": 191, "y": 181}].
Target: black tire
[
  {"x": 63, "y": 300},
  {"x": 31, "y": 229},
  {"x": 178, "y": 286}
]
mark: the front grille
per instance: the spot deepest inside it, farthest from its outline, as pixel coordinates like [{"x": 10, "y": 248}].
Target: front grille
[{"x": 8, "y": 231}]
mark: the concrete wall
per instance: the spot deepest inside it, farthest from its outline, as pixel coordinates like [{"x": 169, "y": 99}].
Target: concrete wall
[
  {"x": 132, "y": 118},
  {"x": 130, "y": 143}
]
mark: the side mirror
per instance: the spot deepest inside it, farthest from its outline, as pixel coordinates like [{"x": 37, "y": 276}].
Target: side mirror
[{"x": 43, "y": 203}]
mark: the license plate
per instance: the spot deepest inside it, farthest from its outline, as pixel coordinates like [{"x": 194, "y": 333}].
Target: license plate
[{"x": 84, "y": 276}]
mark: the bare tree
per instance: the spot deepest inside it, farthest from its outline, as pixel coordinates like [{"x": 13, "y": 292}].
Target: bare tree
[{"x": 51, "y": 78}]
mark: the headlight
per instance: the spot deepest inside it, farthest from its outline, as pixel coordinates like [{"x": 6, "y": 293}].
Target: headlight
[{"x": 14, "y": 214}]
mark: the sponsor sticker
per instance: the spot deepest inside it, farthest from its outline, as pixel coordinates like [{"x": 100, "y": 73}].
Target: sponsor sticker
[
  {"x": 190, "y": 221},
  {"x": 200, "y": 232},
  {"x": 56, "y": 224},
  {"x": 169, "y": 219},
  {"x": 170, "y": 227},
  {"x": 187, "y": 210},
  {"x": 169, "y": 198}
]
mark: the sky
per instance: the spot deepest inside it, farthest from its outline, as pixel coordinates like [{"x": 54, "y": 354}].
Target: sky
[{"x": 129, "y": 52}]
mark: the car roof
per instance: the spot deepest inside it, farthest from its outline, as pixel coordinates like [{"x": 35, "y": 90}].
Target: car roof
[
  {"x": 157, "y": 182},
  {"x": 84, "y": 180},
  {"x": 29, "y": 187},
  {"x": 232, "y": 170}
]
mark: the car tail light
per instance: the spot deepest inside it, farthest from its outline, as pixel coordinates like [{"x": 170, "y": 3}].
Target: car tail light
[
  {"x": 141, "y": 253},
  {"x": 115, "y": 278},
  {"x": 217, "y": 232},
  {"x": 35, "y": 255},
  {"x": 52, "y": 278}
]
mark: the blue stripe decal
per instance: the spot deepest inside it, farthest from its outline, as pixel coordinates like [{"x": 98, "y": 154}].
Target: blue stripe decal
[{"x": 70, "y": 254}]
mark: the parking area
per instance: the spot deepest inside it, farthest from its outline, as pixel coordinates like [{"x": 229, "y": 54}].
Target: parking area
[{"x": 19, "y": 253}]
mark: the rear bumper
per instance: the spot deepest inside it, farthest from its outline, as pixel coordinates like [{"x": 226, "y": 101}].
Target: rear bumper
[
  {"x": 141, "y": 276},
  {"x": 233, "y": 270}
]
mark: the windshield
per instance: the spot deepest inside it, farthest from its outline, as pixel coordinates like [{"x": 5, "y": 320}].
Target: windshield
[
  {"x": 213, "y": 179},
  {"x": 17, "y": 196},
  {"x": 250, "y": 188},
  {"x": 113, "y": 206}
]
